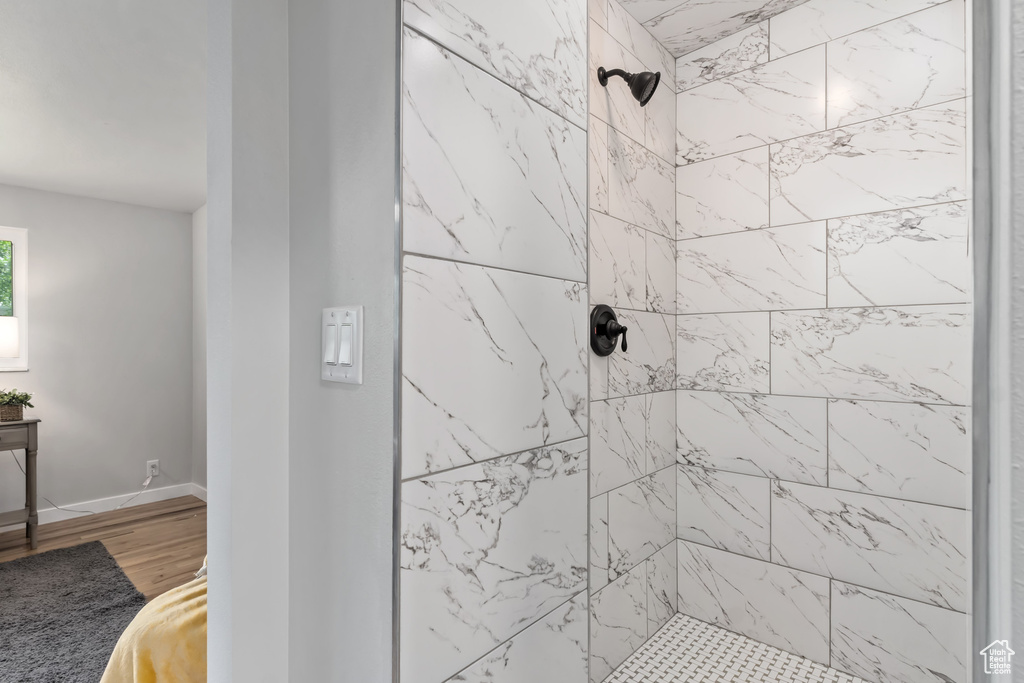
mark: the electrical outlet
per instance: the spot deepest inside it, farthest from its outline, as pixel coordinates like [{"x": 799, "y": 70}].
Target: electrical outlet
[{"x": 153, "y": 468}]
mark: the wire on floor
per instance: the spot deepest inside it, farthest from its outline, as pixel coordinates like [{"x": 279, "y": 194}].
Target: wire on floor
[{"x": 145, "y": 485}]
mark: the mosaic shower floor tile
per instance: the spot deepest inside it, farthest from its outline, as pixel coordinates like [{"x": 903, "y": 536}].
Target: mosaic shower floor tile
[{"x": 690, "y": 651}]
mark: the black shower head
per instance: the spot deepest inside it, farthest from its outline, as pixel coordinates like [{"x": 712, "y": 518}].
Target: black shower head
[{"x": 642, "y": 85}]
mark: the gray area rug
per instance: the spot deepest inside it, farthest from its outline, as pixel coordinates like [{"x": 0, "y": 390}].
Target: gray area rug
[{"x": 61, "y": 613}]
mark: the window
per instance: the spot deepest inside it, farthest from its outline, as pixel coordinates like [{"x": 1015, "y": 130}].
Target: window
[{"x": 13, "y": 299}]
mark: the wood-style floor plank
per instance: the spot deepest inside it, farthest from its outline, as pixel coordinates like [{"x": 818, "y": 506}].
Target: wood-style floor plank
[{"x": 158, "y": 545}]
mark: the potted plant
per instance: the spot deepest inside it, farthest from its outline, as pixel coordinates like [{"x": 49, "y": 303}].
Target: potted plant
[{"x": 12, "y": 405}]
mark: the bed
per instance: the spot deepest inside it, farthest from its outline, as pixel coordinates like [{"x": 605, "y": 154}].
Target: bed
[{"x": 166, "y": 641}]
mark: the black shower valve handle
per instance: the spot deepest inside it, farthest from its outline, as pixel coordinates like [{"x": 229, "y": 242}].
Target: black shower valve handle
[
  {"x": 605, "y": 331},
  {"x": 615, "y": 329}
]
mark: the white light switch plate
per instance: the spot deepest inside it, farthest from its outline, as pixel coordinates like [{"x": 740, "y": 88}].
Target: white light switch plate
[{"x": 332, "y": 322}]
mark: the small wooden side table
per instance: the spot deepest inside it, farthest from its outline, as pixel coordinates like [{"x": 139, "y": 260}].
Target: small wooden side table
[{"x": 22, "y": 434}]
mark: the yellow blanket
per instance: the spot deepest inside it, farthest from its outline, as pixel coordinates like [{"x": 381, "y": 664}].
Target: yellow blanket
[{"x": 166, "y": 642}]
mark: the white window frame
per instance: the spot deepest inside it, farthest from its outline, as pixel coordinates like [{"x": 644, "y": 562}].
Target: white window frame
[{"x": 18, "y": 237}]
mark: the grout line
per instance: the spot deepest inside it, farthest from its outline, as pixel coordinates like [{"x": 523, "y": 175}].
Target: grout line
[
  {"x": 520, "y": 631},
  {"x": 776, "y": 479},
  {"x": 655, "y": 233},
  {"x": 731, "y": 391},
  {"x": 825, "y": 81},
  {"x": 831, "y": 39},
  {"x": 633, "y": 481},
  {"x": 501, "y": 80},
  {"x": 485, "y": 461},
  {"x": 829, "y": 634},
  {"x": 590, "y": 357},
  {"x": 771, "y": 528},
  {"x": 446, "y": 259},
  {"x": 817, "y": 220},
  {"x": 758, "y": 65},
  {"x": 645, "y": 559},
  {"x": 836, "y": 309},
  {"x": 903, "y": 112},
  {"x": 823, "y": 576},
  {"x": 828, "y": 447},
  {"x": 626, "y": 135}
]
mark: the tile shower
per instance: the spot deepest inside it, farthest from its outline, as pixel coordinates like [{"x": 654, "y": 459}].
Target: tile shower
[{"x": 784, "y": 451}]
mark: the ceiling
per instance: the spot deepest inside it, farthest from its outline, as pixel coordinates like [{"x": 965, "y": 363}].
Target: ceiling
[
  {"x": 105, "y": 99},
  {"x": 683, "y": 26}
]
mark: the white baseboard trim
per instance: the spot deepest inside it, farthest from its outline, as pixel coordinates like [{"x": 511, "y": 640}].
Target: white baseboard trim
[
  {"x": 199, "y": 492},
  {"x": 48, "y": 515}
]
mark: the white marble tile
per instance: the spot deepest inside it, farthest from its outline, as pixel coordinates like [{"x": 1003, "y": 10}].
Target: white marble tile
[
  {"x": 885, "y": 638},
  {"x": 618, "y": 622},
  {"x": 779, "y": 437},
  {"x": 693, "y": 24},
  {"x": 613, "y": 103},
  {"x": 738, "y": 52},
  {"x": 618, "y": 252},
  {"x": 617, "y": 442},
  {"x": 598, "y": 542},
  {"x": 908, "y": 451},
  {"x": 486, "y": 551},
  {"x": 600, "y": 367},
  {"x": 771, "y": 102},
  {"x": 635, "y": 37},
  {"x": 913, "y": 550},
  {"x": 723, "y": 352},
  {"x": 910, "y": 256},
  {"x": 650, "y": 363},
  {"x": 642, "y": 186},
  {"x": 641, "y": 520},
  {"x": 724, "y": 510},
  {"x": 899, "y": 161},
  {"x": 537, "y": 46},
  {"x": 661, "y": 430},
  {"x": 772, "y": 604},
  {"x": 919, "y": 353},
  {"x": 755, "y": 270},
  {"x": 908, "y": 63},
  {"x": 521, "y": 333},
  {"x": 727, "y": 194},
  {"x": 660, "y": 114},
  {"x": 598, "y": 164},
  {"x": 662, "y": 592},
  {"x": 467, "y": 194},
  {"x": 555, "y": 648},
  {"x": 661, "y": 273},
  {"x": 819, "y": 21},
  {"x": 645, "y": 10},
  {"x": 597, "y": 10}
]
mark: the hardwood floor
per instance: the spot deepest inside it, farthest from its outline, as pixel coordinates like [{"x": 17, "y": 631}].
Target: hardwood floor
[{"x": 159, "y": 545}]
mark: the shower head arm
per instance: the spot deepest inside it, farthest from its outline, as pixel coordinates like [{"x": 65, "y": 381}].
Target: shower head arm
[{"x": 602, "y": 75}]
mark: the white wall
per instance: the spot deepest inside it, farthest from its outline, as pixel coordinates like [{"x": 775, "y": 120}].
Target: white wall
[
  {"x": 342, "y": 252},
  {"x": 110, "y": 345},
  {"x": 247, "y": 340},
  {"x": 199, "y": 291}
]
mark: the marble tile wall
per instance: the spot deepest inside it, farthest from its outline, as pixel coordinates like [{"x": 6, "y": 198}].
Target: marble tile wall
[
  {"x": 494, "y": 552},
  {"x": 632, "y": 252},
  {"x": 824, "y": 335}
]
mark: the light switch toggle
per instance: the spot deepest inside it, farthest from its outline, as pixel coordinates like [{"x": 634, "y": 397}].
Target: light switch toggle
[
  {"x": 345, "y": 345},
  {"x": 331, "y": 344}
]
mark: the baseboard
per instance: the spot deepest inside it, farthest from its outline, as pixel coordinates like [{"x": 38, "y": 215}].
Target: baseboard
[
  {"x": 48, "y": 515},
  {"x": 199, "y": 492}
]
